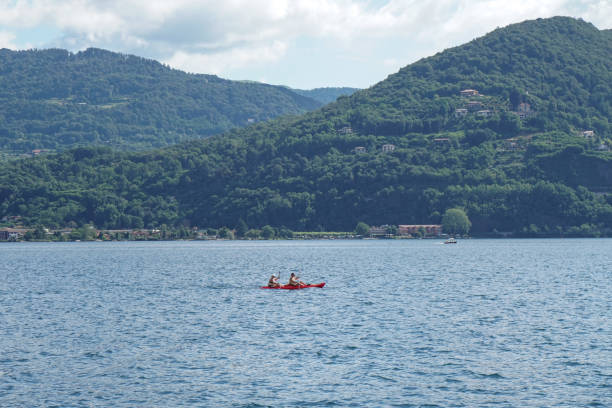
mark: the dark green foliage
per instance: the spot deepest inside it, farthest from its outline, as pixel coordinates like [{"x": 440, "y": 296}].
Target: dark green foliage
[
  {"x": 362, "y": 229},
  {"x": 455, "y": 221},
  {"x": 241, "y": 228},
  {"x": 392, "y": 230},
  {"x": 267, "y": 232},
  {"x": 284, "y": 232},
  {"x": 225, "y": 233},
  {"x": 54, "y": 99},
  {"x": 534, "y": 176}
]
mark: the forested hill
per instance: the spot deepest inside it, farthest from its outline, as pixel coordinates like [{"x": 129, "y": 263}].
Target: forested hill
[
  {"x": 54, "y": 99},
  {"x": 560, "y": 66},
  {"x": 526, "y": 151}
]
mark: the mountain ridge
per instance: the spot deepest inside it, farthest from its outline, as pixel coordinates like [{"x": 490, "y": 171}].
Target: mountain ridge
[
  {"x": 400, "y": 152},
  {"x": 54, "y": 99}
]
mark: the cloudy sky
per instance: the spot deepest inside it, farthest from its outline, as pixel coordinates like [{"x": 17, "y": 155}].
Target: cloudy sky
[{"x": 300, "y": 43}]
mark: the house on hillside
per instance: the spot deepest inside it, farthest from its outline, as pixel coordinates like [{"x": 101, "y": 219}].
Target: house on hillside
[
  {"x": 474, "y": 106},
  {"x": 359, "y": 149},
  {"x": 513, "y": 144},
  {"x": 485, "y": 113},
  {"x": 387, "y": 148},
  {"x": 460, "y": 112},
  {"x": 588, "y": 134},
  {"x": 469, "y": 92},
  {"x": 346, "y": 130}
]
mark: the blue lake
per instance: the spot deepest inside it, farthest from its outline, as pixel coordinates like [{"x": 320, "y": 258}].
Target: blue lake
[{"x": 509, "y": 323}]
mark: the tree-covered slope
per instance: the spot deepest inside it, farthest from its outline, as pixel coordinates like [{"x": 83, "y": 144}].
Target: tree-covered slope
[
  {"x": 395, "y": 153},
  {"x": 54, "y": 99},
  {"x": 560, "y": 66},
  {"x": 326, "y": 95}
]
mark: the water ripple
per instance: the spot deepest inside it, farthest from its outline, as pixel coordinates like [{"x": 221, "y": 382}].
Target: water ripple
[{"x": 404, "y": 324}]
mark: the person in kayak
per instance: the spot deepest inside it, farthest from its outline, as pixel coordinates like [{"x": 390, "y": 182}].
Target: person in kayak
[
  {"x": 294, "y": 280},
  {"x": 273, "y": 282}
]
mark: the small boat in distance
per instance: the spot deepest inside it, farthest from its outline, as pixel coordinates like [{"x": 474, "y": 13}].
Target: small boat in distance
[{"x": 451, "y": 240}]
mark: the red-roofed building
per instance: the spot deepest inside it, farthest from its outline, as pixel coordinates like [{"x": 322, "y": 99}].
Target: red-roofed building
[{"x": 429, "y": 230}]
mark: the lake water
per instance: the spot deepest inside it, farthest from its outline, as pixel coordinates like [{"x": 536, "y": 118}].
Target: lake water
[{"x": 509, "y": 323}]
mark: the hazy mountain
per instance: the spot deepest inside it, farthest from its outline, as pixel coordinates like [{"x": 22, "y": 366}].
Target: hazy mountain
[{"x": 326, "y": 95}]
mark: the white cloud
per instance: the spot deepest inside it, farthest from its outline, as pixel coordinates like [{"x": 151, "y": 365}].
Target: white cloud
[
  {"x": 7, "y": 40},
  {"x": 217, "y": 63},
  {"x": 214, "y": 36}
]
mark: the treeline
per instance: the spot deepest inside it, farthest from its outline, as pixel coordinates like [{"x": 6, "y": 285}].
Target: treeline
[
  {"x": 54, "y": 99},
  {"x": 88, "y": 232},
  {"x": 227, "y": 179}
]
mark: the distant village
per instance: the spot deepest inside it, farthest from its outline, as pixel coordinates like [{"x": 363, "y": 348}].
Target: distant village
[{"x": 88, "y": 233}]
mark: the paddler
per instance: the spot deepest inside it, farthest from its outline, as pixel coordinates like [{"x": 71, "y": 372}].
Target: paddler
[
  {"x": 294, "y": 280},
  {"x": 273, "y": 282}
]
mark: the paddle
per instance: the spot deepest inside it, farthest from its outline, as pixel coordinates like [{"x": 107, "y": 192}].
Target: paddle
[{"x": 300, "y": 283}]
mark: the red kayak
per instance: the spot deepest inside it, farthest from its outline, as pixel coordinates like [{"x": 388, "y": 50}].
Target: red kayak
[{"x": 314, "y": 285}]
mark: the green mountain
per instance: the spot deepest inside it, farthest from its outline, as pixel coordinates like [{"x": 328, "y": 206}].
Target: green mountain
[
  {"x": 526, "y": 151},
  {"x": 54, "y": 99},
  {"x": 326, "y": 95}
]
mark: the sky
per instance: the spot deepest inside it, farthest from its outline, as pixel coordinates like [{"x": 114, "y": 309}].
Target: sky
[{"x": 300, "y": 43}]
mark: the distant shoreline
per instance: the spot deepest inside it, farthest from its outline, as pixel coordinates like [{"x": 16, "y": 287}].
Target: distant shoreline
[{"x": 328, "y": 238}]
